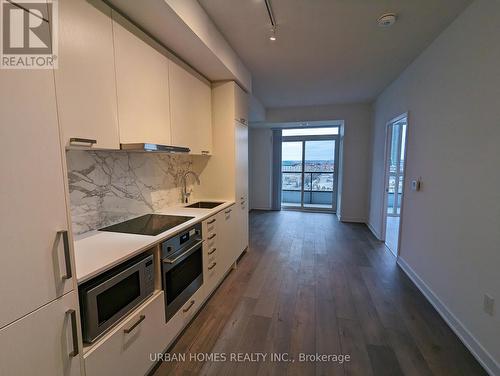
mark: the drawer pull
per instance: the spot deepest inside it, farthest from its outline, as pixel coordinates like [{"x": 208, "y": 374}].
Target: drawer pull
[
  {"x": 211, "y": 221},
  {"x": 212, "y": 266},
  {"x": 188, "y": 307},
  {"x": 78, "y": 140},
  {"x": 141, "y": 319},
  {"x": 205, "y": 152},
  {"x": 211, "y": 236},
  {"x": 74, "y": 332},
  {"x": 228, "y": 211},
  {"x": 212, "y": 251}
]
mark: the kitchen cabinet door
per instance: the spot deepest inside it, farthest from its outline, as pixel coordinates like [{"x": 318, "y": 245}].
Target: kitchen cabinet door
[
  {"x": 231, "y": 236},
  {"x": 43, "y": 342},
  {"x": 33, "y": 259},
  {"x": 241, "y": 135},
  {"x": 191, "y": 110},
  {"x": 142, "y": 88},
  {"x": 85, "y": 79},
  {"x": 125, "y": 350}
]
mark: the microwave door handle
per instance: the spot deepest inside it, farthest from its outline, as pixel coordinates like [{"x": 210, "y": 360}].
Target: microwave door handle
[{"x": 170, "y": 261}]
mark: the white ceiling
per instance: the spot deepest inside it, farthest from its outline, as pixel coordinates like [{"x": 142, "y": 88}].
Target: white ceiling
[{"x": 328, "y": 51}]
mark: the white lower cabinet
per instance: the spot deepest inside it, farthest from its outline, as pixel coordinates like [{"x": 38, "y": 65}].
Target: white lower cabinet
[
  {"x": 212, "y": 268},
  {"x": 228, "y": 238},
  {"x": 44, "y": 342},
  {"x": 183, "y": 316},
  {"x": 126, "y": 349}
]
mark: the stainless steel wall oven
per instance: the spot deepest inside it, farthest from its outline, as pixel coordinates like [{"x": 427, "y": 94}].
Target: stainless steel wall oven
[{"x": 182, "y": 268}]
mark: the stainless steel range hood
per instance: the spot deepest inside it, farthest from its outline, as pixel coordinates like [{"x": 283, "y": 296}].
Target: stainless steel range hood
[{"x": 154, "y": 148}]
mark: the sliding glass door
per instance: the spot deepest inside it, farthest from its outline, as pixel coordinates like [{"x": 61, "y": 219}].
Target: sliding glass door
[{"x": 309, "y": 171}]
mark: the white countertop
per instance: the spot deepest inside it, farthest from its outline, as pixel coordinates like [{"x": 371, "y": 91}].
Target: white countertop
[{"x": 98, "y": 251}]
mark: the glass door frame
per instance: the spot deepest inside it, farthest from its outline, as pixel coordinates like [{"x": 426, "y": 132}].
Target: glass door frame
[
  {"x": 304, "y": 139},
  {"x": 388, "y": 142}
]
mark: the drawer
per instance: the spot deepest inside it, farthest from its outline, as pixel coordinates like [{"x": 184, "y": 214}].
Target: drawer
[
  {"x": 189, "y": 309},
  {"x": 183, "y": 316},
  {"x": 125, "y": 350},
  {"x": 210, "y": 227},
  {"x": 211, "y": 253}
]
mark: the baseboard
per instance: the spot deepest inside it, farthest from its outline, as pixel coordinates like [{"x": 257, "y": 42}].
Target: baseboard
[
  {"x": 477, "y": 350},
  {"x": 375, "y": 233},
  {"x": 351, "y": 219}
]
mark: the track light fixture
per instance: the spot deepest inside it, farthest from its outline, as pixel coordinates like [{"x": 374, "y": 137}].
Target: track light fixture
[{"x": 272, "y": 36}]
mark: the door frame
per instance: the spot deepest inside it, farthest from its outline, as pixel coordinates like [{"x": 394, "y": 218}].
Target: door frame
[
  {"x": 386, "y": 177},
  {"x": 304, "y": 139}
]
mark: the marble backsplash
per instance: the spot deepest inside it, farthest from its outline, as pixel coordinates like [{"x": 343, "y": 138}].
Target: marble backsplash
[{"x": 107, "y": 187}]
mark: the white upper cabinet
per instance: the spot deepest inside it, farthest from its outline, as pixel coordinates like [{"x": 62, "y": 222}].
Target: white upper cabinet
[
  {"x": 240, "y": 105},
  {"x": 142, "y": 88},
  {"x": 191, "y": 110},
  {"x": 85, "y": 79},
  {"x": 35, "y": 266}
]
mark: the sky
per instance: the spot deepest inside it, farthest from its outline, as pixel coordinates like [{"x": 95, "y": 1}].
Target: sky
[{"x": 315, "y": 150}]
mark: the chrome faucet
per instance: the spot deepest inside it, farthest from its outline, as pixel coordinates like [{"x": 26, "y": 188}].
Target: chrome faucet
[{"x": 185, "y": 193}]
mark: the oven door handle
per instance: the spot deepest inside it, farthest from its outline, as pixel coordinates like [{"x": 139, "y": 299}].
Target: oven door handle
[{"x": 169, "y": 261}]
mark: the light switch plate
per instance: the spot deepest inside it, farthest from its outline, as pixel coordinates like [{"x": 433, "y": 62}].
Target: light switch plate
[
  {"x": 415, "y": 185},
  {"x": 489, "y": 305}
]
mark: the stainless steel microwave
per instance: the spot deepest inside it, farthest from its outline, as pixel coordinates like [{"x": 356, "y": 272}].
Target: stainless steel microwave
[{"x": 107, "y": 298}]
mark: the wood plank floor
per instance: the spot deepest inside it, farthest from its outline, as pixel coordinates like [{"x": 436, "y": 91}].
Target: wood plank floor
[{"x": 309, "y": 284}]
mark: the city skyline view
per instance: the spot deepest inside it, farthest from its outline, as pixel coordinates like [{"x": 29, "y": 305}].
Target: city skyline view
[{"x": 319, "y": 166}]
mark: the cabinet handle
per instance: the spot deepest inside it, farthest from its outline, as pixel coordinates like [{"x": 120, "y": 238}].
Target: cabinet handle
[
  {"x": 188, "y": 307},
  {"x": 205, "y": 152},
  {"x": 228, "y": 211},
  {"x": 74, "y": 332},
  {"x": 211, "y": 221},
  {"x": 212, "y": 266},
  {"x": 141, "y": 319},
  {"x": 67, "y": 259},
  {"x": 82, "y": 141},
  {"x": 243, "y": 120},
  {"x": 212, "y": 251},
  {"x": 211, "y": 236}
]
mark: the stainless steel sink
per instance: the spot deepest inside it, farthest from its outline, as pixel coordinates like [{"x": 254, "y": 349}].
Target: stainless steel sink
[{"x": 204, "y": 205}]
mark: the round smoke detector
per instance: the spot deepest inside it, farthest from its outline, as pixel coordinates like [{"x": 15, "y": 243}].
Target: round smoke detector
[{"x": 387, "y": 19}]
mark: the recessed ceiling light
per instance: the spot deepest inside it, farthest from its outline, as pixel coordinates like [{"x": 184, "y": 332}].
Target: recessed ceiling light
[{"x": 387, "y": 19}]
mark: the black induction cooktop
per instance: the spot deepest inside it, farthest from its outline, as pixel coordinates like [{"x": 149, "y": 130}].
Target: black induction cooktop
[{"x": 149, "y": 224}]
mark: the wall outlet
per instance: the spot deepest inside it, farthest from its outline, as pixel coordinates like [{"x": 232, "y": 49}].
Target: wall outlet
[{"x": 489, "y": 305}]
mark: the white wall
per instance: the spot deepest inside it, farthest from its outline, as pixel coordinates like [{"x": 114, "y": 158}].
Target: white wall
[
  {"x": 260, "y": 153},
  {"x": 193, "y": 15},
  {"x": 256, "y": 111},
  {"x": 356, "y": 167},
  {"x": 451, "y": 229}
]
